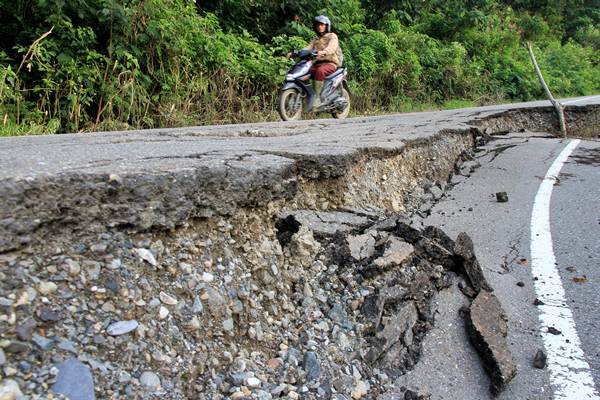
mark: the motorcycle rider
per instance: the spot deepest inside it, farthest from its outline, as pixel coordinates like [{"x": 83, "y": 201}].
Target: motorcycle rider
[{"x": 329, "y": 54}]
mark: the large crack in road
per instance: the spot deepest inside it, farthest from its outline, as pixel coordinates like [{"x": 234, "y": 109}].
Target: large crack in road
[{"x": 165, "y": 275}]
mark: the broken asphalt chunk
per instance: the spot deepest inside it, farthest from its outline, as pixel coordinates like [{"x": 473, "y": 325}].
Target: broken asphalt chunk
[
  {"x": 487, "y": 327},
  {"x": 397, "y": 251},
  {"x": 539, "y": 361},
  {"x": 437, "y": 247},
  {"x": 466, "y": 289},
  {"x": 392, "y": 329},
  {"x": 463, "y": 247},
  {"x": 538, "y": 302},
  {"x": 325, "y": 224},
  {"x": 501, "y": 197},
  {"x": 361, "y": 246}
]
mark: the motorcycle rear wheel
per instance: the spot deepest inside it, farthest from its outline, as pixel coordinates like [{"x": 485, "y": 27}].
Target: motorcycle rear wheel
[
  {"x": 290, "y": 105},
  {"x": 343, "y": 114}
]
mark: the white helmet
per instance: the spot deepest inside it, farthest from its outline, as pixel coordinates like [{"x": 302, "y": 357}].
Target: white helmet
[{"x": 321, "y": 19}]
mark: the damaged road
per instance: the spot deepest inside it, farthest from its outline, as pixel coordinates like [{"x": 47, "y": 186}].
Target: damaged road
[
  {"x": 304, "y": 260},
  {"x": 450, "y": 368}
]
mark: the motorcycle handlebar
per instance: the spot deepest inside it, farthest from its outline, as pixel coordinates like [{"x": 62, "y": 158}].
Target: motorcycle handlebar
[{"x": 305, "y": 54}]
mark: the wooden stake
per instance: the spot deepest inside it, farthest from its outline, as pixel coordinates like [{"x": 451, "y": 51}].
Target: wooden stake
[{"x": 560, "y": 109}]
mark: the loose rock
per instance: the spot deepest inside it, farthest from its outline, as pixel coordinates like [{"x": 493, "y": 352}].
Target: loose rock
[
  {"x": 554, "y": 331},
  {"x": 9, "y": 390},
  {"x": 122, "y": 327},
  {"x": 539, "y": 361},
  {"x": 501, "y": 197},
  {"x": 538, "y": 302},
  {"x": 396, "y": 253},
  {"x": 47, "y": 288},
  {"x": 361, "y": 246},
  {"x": 147, "y": 256},
  {"x": 74, "y": 381},
  {"x": 167, "y": 299},
  {"x": 150, "y": 381},
  {"x": 311, "y": 366},
  {"x": 25, "y": 330}
]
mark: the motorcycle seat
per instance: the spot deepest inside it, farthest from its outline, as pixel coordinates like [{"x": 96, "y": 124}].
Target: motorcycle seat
[{"x": 336, "y": 73}]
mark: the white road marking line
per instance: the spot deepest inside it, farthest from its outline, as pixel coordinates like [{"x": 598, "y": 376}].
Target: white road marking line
[
  {"x": 578, "y": 100},
  {"x": 569, "y": 371}
]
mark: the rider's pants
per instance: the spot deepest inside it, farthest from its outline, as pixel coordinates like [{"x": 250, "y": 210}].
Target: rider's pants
[{"x": 320, "y": 71}]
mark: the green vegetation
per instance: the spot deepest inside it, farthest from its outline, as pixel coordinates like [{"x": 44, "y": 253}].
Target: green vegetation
[{"x": 85, "y": 65}]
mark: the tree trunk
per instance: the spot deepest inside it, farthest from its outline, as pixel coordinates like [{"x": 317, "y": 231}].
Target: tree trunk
[{"x": 560, "y": 109}]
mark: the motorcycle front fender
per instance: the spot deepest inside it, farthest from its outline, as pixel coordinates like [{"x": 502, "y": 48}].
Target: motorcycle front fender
[{"x": 291, "y": 85}]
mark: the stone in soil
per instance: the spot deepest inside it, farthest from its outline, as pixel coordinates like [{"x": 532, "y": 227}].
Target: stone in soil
[
  {"x": 312, "y": 366},
  {"x": 25, "y": 330},
  {"x": 17, "y": 347},
  {"x": 361, "y": 389},
  {"x": 47, "y": 314},
  {"x": 47, "y": 288},
  {"x": 150, "y": 381},
  {"x": 147, "y": 256},
  {"x": 487, "y": 327},
  {"x": 9, "y": 390},
  {"x": 167, "y": 299},
  {"x": 122, "y": 327},
  {"x": 74, "y": 380},
  {"x": 43, "y": 343}
]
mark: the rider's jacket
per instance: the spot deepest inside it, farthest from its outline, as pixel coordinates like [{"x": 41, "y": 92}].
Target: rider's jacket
[{"x": 330, "y": 44}]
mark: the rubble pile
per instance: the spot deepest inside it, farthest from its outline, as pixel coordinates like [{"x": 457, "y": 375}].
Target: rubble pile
[{"x": 300, "y": 304}]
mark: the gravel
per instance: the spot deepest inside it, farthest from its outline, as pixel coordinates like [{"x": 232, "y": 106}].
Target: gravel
[{"x": 224, "y": 307}]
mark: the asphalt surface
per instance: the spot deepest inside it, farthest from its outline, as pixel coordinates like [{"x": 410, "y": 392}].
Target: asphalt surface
[
  {"x": 516, "y": 164},
  {"x": 167, "y": 150},
  {"x": 576, "y": 222}
]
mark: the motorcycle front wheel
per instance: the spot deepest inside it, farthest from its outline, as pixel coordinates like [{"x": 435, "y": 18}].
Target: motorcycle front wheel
[{"x": 290, "y": 105}]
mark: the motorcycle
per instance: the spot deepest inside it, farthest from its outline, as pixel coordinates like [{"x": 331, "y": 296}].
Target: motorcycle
[{"x": 297, "y": 94}]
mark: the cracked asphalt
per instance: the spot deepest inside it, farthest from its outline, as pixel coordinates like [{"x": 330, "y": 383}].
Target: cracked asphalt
[
  {"x": 231, "y": 159},
  {"x": 516, "y": 164},
  {"x": 168, "y": 150}
]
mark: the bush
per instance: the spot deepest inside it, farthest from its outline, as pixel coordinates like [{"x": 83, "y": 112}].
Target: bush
[{"x": 87, "y": 65}]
